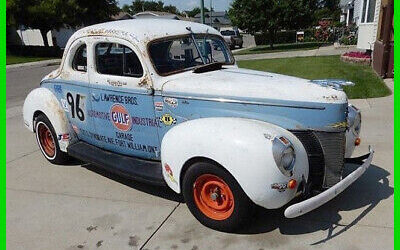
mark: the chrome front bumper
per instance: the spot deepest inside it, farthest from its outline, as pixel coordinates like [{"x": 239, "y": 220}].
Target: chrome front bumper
[{"x": 308, "y": 205}]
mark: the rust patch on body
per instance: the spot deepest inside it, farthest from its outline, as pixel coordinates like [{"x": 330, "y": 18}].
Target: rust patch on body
[
  {"x": 146, "y": 80},
  {"x": 331, "y": 98}
]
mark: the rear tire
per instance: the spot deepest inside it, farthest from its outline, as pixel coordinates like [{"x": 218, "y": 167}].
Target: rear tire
[
  {"x": 215, "y": 198},
  {"x": 47, "y": 141}
]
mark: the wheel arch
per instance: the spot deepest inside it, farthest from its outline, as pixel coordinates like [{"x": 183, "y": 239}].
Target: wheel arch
[
  {"x": 43, "y": 101},
  {"x": 196, "y": 159},
  {"x": 237, "y": 145}
]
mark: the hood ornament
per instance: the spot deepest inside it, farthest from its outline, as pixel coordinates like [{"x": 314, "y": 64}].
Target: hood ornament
[{"x": 337, "y": 84}]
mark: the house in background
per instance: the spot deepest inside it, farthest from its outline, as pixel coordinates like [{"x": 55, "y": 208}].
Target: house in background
[
  {"x": 383, "y": 55},
  {"x": 368, "y": 23},
  {"x": 159, "y": 14},
  {"x": 216, "y": 19},
  {"x": 121, "y": 16},
  {"x": 364, "y": 14}
]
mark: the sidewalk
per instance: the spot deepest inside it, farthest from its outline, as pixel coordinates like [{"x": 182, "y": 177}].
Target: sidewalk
[
  {"x": 34, "y": 64},
  {"x": 321, "y": 51}
]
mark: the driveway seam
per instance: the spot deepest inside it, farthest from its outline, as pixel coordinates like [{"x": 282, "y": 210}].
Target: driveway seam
[
  {"x": 158, "y": 228},
  {"x": 69, "y": 195},
  {"x": 22, "y": 156},
  {"x": 116, "y": 200}
]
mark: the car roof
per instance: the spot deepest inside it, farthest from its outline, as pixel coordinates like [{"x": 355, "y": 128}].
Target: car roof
[{"x": 142, "y": 31}]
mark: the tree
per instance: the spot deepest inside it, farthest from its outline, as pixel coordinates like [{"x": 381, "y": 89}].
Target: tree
[
  {"x": 328, "y": 9},
  {"x": 195, "y": 11},
  {"x": 142, "y": 5},
  {"x": 90, "y": 12},
  {"x": 269, "y": 16}
]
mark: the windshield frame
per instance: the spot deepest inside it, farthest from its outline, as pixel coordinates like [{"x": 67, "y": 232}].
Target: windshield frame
[{"x": 190, "y": 36}]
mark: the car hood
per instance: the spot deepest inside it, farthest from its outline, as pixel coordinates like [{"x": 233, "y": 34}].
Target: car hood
[{"x": 250, "y": 86}]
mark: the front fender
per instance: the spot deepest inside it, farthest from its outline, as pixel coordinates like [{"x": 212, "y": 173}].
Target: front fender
[
  {"x": 43, "y": 100},
  {"x": 242, "y": 146}
]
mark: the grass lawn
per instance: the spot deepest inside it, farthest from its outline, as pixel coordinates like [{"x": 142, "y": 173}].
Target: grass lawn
[
  {"x": 279, "y": 48},
  {"x": 22, "y": 59},
  {"x": 367, "y": 83}
]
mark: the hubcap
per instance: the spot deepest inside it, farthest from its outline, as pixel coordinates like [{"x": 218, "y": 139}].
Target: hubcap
[
  {"x": 46, "y": 140},
  {"x": 213, "y": 197}
]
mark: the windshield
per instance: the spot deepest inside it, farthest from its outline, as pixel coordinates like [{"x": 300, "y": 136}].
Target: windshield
[{"x": 181, "y": 53}]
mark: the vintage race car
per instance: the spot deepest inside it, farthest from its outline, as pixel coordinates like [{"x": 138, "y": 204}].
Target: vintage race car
[{"x": 162, "y": 101}]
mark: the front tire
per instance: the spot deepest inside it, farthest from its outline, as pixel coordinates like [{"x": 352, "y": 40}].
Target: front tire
[
  {"x": 47, "y": 141},
  {"x": 215, "y": 198}
]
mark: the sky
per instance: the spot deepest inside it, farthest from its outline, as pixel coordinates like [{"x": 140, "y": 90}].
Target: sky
[{"x": 218, "y": 5}]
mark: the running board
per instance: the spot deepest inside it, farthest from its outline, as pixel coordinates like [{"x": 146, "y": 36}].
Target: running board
[{"x": 130, "y": 167}]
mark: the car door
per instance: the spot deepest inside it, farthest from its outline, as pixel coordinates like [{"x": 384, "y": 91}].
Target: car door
[
  {"x": 72, "y": 90},
  {"x": 122, "y": 104}
]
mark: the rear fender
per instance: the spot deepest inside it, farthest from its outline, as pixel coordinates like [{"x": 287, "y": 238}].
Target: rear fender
[{"x": 42, "y": 100}]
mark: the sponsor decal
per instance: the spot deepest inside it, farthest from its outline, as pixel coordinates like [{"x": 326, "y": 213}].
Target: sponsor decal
[
  {"x": 63, "y": 137},
  {"x": 281, "y": 187},
  {"x": 122, "y": 140},
  {"x": 120, "y": 117},
  {"x": 169, "y": 173},
  {"x": 185, "y": 102},
  {"x": 172, "y": 102},
  {"x": 139, "y": 121},
  {"x": 116, "y": 83},
  {"x": 98, "y": 114},
  {"x": 124, "y": 136},
  {"x": 158, "y": 106},
  {"x": 167, "y": 119},
  {"x": 149, "y": 122},
  {"x": 95, "y": 98},
  {"x": 64, "y": 104},
  {"x": 58, "y": 89},
  {"x": 121, "y": 99}
]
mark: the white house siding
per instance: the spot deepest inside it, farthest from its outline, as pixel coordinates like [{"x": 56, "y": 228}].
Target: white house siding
[
  {"x": 367, "y": 31},
  {"x": 357, "y": 11},
  {"x": 34, "y": 38}
]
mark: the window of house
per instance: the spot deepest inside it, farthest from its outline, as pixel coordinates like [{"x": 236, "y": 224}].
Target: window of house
[
  {"x": 117, "y": 59},
  {"x": 80, "y": 59},
  {"x": 368, "y": 11}
]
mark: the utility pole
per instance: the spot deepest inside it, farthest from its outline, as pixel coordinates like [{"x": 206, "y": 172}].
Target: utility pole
[
  {"x": 202, "y": 11},
  {"x": 211, "y": 10}
]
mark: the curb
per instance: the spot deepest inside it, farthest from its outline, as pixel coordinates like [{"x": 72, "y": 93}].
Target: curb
[{"x": 35, "y": 64}]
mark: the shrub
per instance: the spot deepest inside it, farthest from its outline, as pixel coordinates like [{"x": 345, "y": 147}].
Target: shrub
[
  {"x": 37, "y": 51},
  {"x": 288, "y": 36}
]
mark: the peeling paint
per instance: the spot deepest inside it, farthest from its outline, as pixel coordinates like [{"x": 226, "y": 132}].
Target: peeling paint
[{"x": 146, "y": 80}]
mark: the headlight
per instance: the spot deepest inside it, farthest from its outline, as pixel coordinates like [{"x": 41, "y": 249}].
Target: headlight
[
  {"x": 354, "y": 119},
  {"x": 284, "y": 155}
]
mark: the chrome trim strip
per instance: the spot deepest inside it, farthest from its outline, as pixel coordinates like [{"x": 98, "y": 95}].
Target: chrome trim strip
[{"x": 215, "y": 99}]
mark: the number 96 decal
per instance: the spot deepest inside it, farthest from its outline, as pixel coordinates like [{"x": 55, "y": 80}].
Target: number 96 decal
[{"x": 74, "y": 103}]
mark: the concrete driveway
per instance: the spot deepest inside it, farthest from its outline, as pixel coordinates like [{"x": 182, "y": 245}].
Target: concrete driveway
[{"x": 81, "y": 207}]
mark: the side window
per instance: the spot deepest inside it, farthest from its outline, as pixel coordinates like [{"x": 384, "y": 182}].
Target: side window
[
  {"x": 80, "y": 59},
  {"x": 117, "y": 59}
]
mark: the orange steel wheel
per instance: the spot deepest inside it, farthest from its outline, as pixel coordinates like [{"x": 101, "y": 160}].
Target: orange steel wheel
[
  {"x": 213, "y": 197},
  {"x": 46, "y": 140}
]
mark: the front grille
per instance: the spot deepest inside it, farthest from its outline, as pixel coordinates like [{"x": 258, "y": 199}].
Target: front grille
[
  {"x": 315, "y": 157},
  {"x": 325, "y": 152},
  {"x": 334, "y": 146}
]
